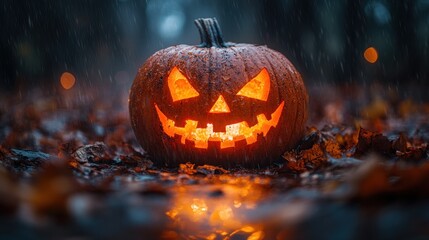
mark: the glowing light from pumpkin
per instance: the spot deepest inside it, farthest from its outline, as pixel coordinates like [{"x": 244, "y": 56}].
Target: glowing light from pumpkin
[
  {"x": 198, "y": 206},
  {"x": 258, "y": 87},
  {"x": 256, "y": 236},
  {"x": 371, "y": 55},
  {"x": 196, "y": 213},
  {"x": 220, "y": 106},
  {"x": 67, "y": 80},
  {"x": 233, "y": 132},
  {"x": 179, "y": 86}
]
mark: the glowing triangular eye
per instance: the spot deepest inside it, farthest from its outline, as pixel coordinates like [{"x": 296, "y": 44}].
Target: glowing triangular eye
[
  {"x": 179, "y": 86},
  {"x": 258, "y": 87}
]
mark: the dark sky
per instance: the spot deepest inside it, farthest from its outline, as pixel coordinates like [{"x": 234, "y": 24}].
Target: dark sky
[{"x": 106, "y": 41}]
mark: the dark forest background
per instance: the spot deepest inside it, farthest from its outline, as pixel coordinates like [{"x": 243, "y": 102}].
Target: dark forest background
[{"x": 104, "y": 42}]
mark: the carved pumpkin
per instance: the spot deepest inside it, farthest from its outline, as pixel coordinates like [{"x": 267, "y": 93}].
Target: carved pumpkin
[{"x": 217, "y": 103}]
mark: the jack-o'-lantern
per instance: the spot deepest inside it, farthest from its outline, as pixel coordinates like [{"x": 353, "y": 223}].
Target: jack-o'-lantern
[{"x": 217, "y": 103}]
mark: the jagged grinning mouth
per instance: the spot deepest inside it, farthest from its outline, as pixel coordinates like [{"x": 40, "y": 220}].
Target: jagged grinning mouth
[{"x": 233, "y": 132}]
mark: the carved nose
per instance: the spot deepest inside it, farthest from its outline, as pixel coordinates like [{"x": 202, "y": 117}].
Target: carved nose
[{"x": 220, "y": 106}]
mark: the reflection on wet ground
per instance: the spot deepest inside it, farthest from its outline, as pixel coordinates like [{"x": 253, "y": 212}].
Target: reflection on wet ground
[{"x": 228, "y": 206}]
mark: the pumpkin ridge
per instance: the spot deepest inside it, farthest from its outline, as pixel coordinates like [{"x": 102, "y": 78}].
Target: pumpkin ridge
[
  {"x": 212, "y": 59},
  {"x": 173, "y": 60},
  {"x": 288, "y": 76},
  {"x": 292, "y": 75},
  {"x": 255, "y": 52},
  {"x": 277, "y": 79},
  {"x": 248, "y": 76},
  {"x": 198, "y": 52},
  {"x": 167, "y": 61},
  {"x": 304, "y": 97},
  {"x": 235, "y": 49},
  {"x": 266, "y": 51}
]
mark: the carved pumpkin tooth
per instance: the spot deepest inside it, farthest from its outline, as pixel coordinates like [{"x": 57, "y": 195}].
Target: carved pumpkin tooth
[
  {"x": 239, "y": 138},
  {"x": 169, "y": 128},
  {"x": 227, "y": 144},
  {"x": 202, "y": 144},
  {"x": 275, "y": 116},
  {"x": 251, "y": 139},
  {"x": 261, "y": 119},
  {"x": 265, "y": 128},
  {"x": 190, "y": 126}
]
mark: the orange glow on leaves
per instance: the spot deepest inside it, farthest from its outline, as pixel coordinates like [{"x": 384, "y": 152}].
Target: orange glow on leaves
[
  {"x": 233, "y": 132},
  {"x": 67, "y": 80},
  {"x": 179, "y": 86},
  {"x": 258, "y": 87},
  {"x": 220, "y": 106},
  {"x": 371, "y": 55}
]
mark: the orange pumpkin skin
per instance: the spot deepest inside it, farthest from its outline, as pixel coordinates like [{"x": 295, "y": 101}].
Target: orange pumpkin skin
[{"x": 213, "y": 70}]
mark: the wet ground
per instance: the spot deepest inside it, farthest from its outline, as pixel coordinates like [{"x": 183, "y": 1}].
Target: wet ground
[{"x": 71, "y": 168}]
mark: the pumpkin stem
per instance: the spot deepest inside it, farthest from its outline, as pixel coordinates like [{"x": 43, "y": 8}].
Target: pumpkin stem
[{"x": 210, "y": 33}]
